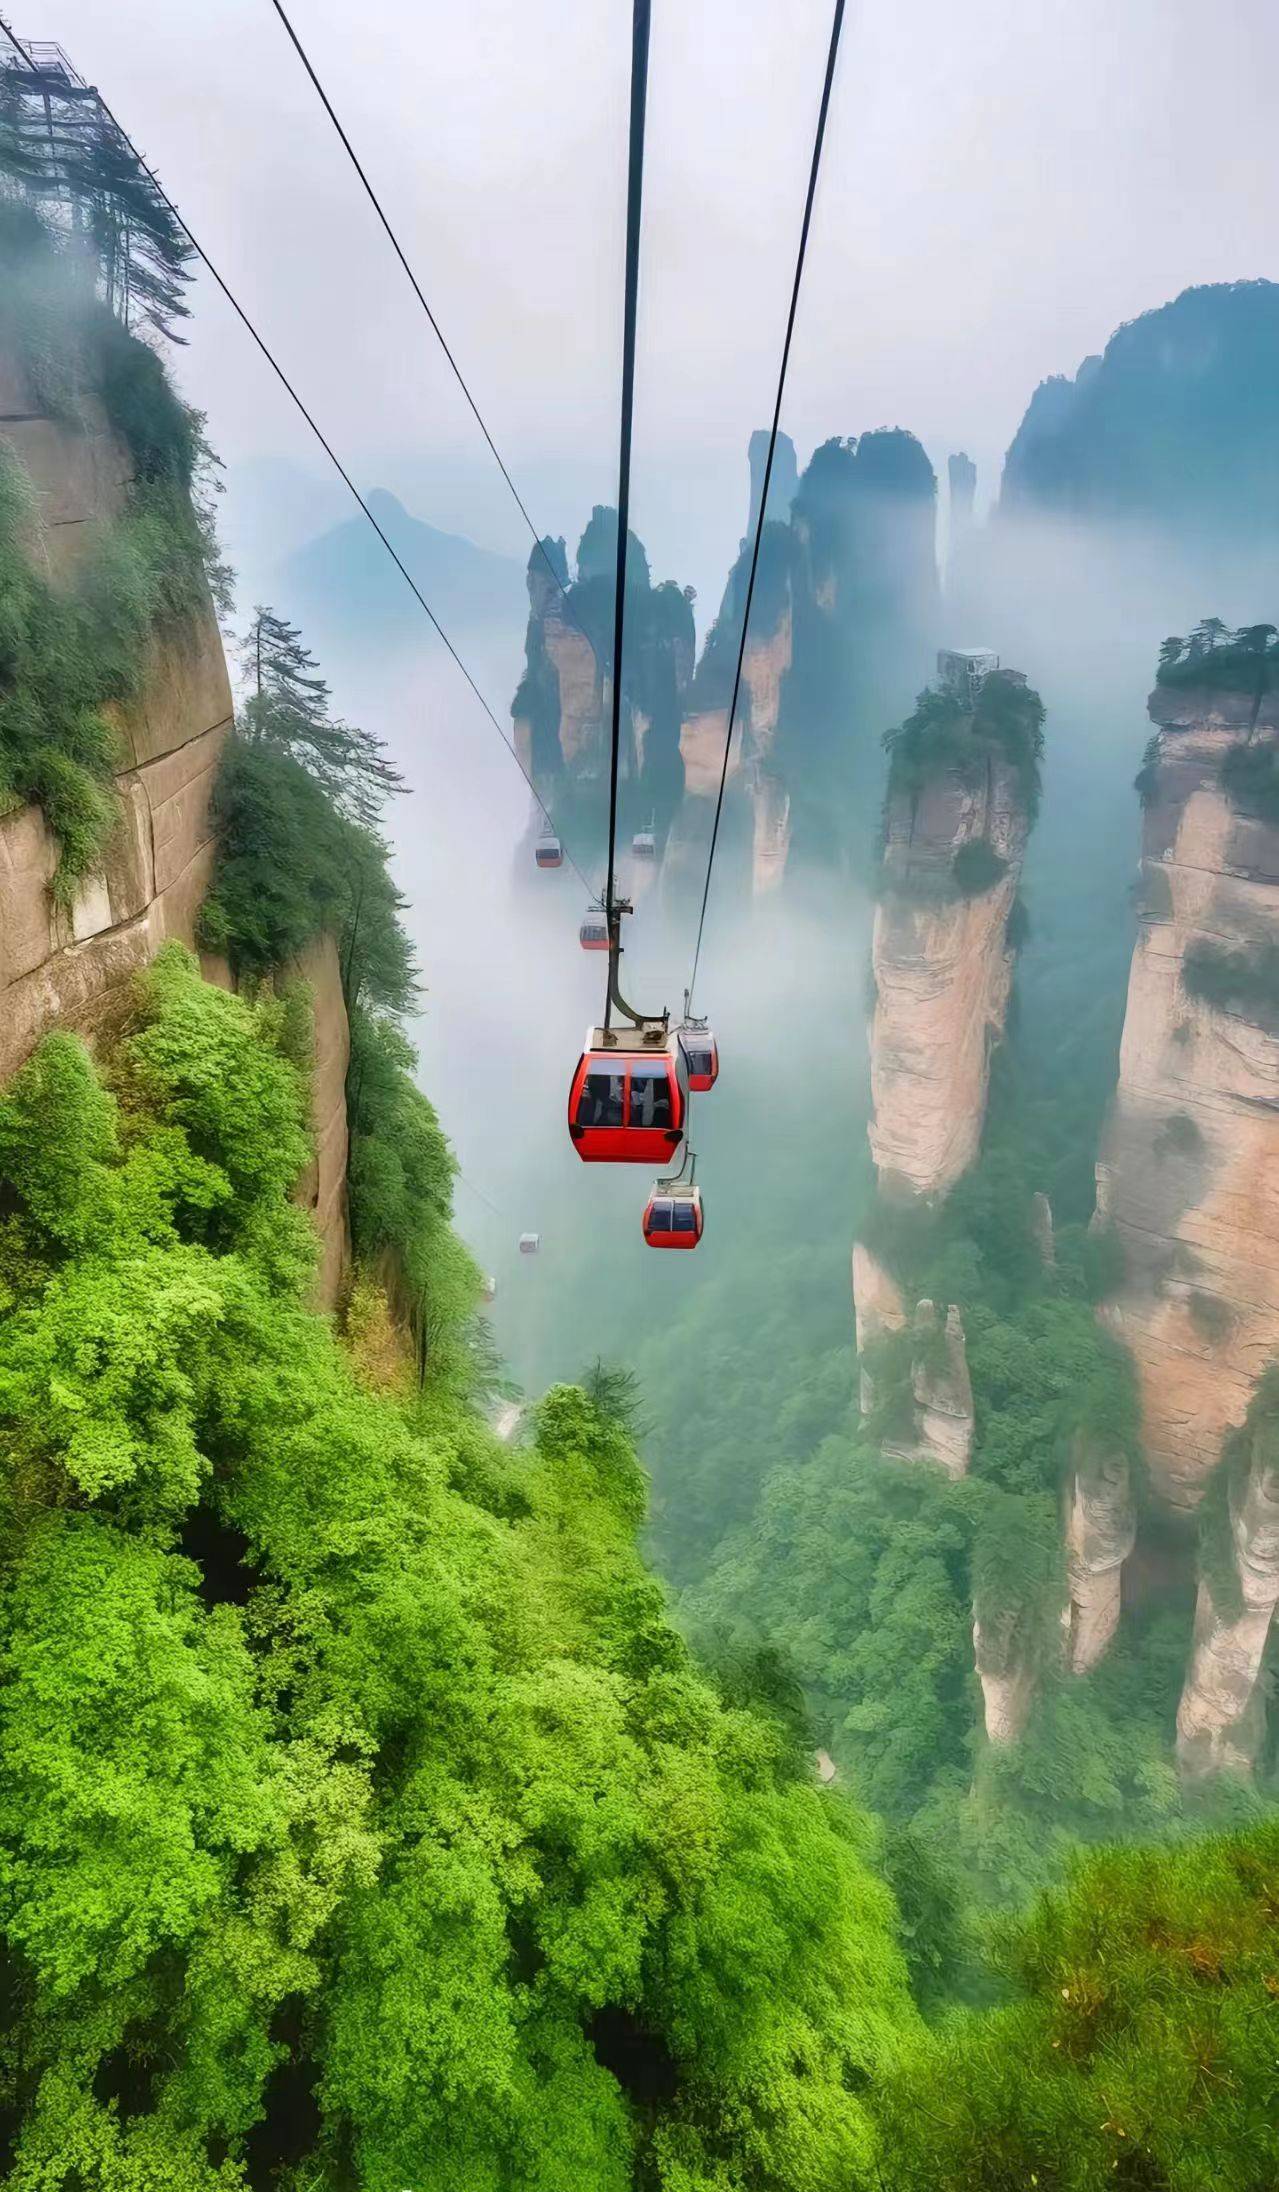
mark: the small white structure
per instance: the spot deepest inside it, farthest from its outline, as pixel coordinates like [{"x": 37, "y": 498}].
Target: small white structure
[
  {"x": 964, "y": 670},
  {"x": 489, "y": 1289},
  {"x": 530, "y": 1243}
]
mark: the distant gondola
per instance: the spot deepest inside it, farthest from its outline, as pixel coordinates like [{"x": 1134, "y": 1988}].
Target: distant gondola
[
  {"x": 644, "y": 845},
  {"x": 702, "y": 1052},
  {"x": 530, "y": 1243},
  {"x": 548, "y": 851},
  {"x": 628, "y": 1102},
  {"x": 593, "y": 933},
  {"x": 673, "y": 1215}
]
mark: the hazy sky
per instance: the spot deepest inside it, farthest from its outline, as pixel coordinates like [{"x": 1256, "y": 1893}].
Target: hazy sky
[{"x": 1004, "y": 184}]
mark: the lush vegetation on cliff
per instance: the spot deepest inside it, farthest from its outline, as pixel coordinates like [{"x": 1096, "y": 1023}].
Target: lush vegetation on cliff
[
  {"x": 1138, "y": 2048},
  {"x": 71, "y": 652},
  {"x": 943, "y": 737},
  {"x": 299, "y": 858},
  {"x": 362, "y": 1814},
  {"x": 1214, "y": 659}
]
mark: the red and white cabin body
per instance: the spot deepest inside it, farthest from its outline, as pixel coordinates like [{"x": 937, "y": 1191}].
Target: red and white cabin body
[
  {"x": 628, "y": 1103},
  {"x": 702, "y": 1052},
  {"x": 593, "y": 933},
  {"x": 548, "y": 851},
  {"x": 673, "y": 1216}
]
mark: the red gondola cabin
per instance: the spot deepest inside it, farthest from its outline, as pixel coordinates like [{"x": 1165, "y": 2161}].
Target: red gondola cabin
[
  {"x": 548, "y": 851},
  {"x": 673, "y": 1215},
  {"x": 702, "y": 1052},
  {"x": 628, "y": 1103},
  {"x": 593, "y": 933}
]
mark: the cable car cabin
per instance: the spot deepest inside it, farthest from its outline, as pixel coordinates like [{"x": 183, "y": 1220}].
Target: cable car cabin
[
  {"x": 548, "y": 851},
  {"x": 530, "y": 1243},
  {"x": 702, "y": 1052},
  {"x": 628, "y": 1103},
  {"x": 593, "y": 934},
  {"x": 673, "y": 1215},
  {"x": 644, "y": 845}
]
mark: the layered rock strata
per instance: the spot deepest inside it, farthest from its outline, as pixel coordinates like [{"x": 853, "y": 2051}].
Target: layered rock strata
[{"x": 1188, "y": 1180}]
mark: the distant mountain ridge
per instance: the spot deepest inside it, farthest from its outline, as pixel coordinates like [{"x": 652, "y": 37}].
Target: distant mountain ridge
[
  {"x": 1177, "y": 421},
  {"x": 345, "y": 582}
]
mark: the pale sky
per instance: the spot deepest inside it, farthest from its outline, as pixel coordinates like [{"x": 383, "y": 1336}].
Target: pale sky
[{"x": 1004, "y": 184}]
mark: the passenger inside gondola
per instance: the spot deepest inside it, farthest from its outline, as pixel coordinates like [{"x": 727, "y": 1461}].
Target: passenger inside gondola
[
  {"x": 650, "y": 1093},
  {"x": 602, "y": 1101}
]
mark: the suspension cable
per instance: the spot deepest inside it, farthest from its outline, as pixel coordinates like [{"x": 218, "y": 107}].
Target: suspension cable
[
  {"x": 326, "y": 446},
  {"x": 634, "y": 200},
  {"x": 823, "y": 111},
  {"x": 416, "y": 286}
]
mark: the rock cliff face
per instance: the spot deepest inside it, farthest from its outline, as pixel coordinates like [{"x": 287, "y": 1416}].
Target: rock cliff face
[
  {"x": 1220, "y": 1720},
  {"x": 754, "y": 785},
  {"x": 75, "y": 969},
  {"x": 963, "y": 782},
  {"x": 942, "y": 963},
  {"x": 1188, "y": 1179},
  {"x": 938, "y": 1396},
  {"x": 561, "y": 713},
  {"x": 1100, "y": 1529}
]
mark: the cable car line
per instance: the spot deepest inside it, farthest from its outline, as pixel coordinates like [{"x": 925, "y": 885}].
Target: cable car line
[
  {"x": 329, "y": 452},
  {"x": 613, "y": 906},
  {"x": 814, "y": 168},
  {"x": 436, "y": 329}
]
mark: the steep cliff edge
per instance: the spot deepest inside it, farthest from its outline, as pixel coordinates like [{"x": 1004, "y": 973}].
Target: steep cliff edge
[
  {"x": 962, "y": 794},
  {"x": 69, "y": 963},
  {"x": 1221, "y": 1717},
  {"x": 1188, "y": 1179},
  {"x": 961, "y": 797},
  {"x": 69, "y": 955}
]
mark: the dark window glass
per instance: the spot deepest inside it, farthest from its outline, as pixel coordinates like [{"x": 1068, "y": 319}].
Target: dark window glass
[
  {"x": 660, "y": 1218},
  {"x": 650, "y": 1094},
  {"x": 685, "y": 1219},
  {"x": 600, "y": 1103},
  {"x": 699, "y": 1061}
]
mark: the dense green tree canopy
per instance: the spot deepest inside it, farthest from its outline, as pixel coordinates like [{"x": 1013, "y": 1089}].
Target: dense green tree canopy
[{"x": 361, "y": 1810}]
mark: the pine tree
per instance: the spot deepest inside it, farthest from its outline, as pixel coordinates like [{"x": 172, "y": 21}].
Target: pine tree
[{"x": 288, "y": 708}]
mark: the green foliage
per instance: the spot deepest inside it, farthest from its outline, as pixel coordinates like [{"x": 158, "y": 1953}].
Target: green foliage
[
  {"x": 322, "y": 1774},
  {"x": 1245, "y": 981},
  {"x": 68, "y": 652},
  {"x": 291, "y": 867},
  {"x": 1220, "y": 661},
  {"x": 287, "y": 710},
  {"x": 1139, "y": 2049},
  {"x": 1007, "y": 723},
  {"x": 1250, "y": 778},
  {"x": 977, "y": 867}
]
